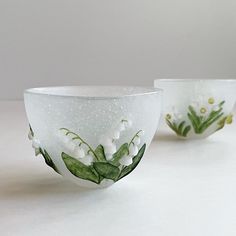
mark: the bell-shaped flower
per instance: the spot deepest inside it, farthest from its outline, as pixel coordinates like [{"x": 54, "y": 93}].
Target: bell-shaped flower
[
  {"x": 111, "y": 149},
  {"x": 137, "y": 140},
  {"x": 78, "y": 152},
  {"x": 87, "y": 160},
  {"x": 105, "y": 140},
  {"x": 133, "y": 150},
  {"x": 126, "y": 160},
  {"x": 35, "y": 143},
  {"x": 115, "y": 134}
]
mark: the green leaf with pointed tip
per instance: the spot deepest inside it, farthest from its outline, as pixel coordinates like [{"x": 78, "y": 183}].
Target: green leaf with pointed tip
[
  {"x": 99, "y": 151},
  {"x": 79, "y": 169},
  {"x": 181, "y": 126},
  {"x": 106, "y": 170},
  {"x": 48, "y": 160},
  {"x": 136, "y": 160},
  {"x": 122, "y": 151},
  {"x": 221, "y": 103},
  {"x": 186, "y": 130}
]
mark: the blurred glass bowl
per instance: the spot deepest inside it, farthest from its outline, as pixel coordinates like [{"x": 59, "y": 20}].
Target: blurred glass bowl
[{"x": 197, "y": 108}]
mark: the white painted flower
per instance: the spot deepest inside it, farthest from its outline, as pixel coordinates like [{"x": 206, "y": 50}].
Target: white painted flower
[
  {"x": 87, "y": 160},
  {"x": 137, "y": 140},
  {"x": 111, "y": 149},
  {"x": 71, "y": 145},
  {"x": 105, "y": 140},
  {"x": 35, "y": 143},
  {"x": 121, "y": 126},
  {"x": 205, "y": 104},
  {"x": 141, "y": 133},
  {"x": 109, "y": 157},
  {"x": 174, "y": 115},
  {"x": 66, "y": 139},
  {"x": 128, "y": 123},
  {"x": 79, "y": 152},
  {"x": 116, "y": 134},
  {"x": 133, "y": 150},
  {"x": 126, "y": 160}
]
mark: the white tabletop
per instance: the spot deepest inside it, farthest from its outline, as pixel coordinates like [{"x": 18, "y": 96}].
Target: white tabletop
[{"x": 181, "y": 188}]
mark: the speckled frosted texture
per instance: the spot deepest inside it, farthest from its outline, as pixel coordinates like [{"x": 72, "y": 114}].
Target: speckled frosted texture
[
  {"x": 90, "y": 118},
  {"x": 179, "y": 94}
]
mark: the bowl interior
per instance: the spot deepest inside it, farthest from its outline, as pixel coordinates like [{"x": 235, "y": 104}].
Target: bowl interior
[{"x": 94, "y": 91}]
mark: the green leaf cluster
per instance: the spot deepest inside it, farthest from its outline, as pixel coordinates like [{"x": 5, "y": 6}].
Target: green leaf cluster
[
  {"x": 200, "y": 123},
  {"x": 103, "y": 169},
  {"x": 180, "y": 129}
]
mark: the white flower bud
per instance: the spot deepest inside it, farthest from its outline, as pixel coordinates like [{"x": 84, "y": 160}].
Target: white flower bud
[
  {"x": 35, "y": 143},
  {"x": 116, "y": 134},
  {"x": 79, "y": 152},
  {"x": 121, "y": 126},
  {"x": 136, "y": 140},
  {"x": 87, "y": 160},
  {"x": 66, "y": 139},
  {"x": 111, "y": 149},
  {"x": 141, "y": 133},
  {"x": 126, "y": 160},
  {"x": 109, "y": 157},
  {"x": 71, "y": 145},
  {"x": 128, "y": 123},
  {"x": 105, "y": 141},
  {"x": 133, "y": 150}
]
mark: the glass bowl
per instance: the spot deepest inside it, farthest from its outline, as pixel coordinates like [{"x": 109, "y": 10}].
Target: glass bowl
[
  {"x": 93, "y": 136},
  {"x": 197, "y": 108}
]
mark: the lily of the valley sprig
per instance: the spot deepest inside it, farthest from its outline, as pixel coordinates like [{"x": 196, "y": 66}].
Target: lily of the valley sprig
[
  {"x": 106, "y": 162},
  {"x": 38, "y": 150}
]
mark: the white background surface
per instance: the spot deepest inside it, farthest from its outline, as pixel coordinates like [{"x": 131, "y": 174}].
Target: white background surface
[
  {"x": 129, "y": 42},
  {"x": 181, "y": 188}
]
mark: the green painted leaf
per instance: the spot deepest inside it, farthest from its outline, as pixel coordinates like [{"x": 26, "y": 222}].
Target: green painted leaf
[
  {"x": 181, "y": 126},
  {"x": 196, "y": 118},
  {"x": 209, "y": 122},
  {"x": 221, "y": 103},
  {"x": 122, "y": 151},
  {"x": 180, "y": 129},
  {"x": 136, "y": 160},
  {"x": 99, "y": 151},
  {"x": 170, "y": 125},
  {"x": 48, "y": 160},
  {"x": 106, "y": 170},
  {"x": 186, "y": 130},
  {"x": 80, "y": 170}
]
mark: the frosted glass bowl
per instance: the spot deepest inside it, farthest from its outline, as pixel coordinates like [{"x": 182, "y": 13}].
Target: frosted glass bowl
[
  {"x": 93, "y": 136},
  {"x": 197, "y": 108}
]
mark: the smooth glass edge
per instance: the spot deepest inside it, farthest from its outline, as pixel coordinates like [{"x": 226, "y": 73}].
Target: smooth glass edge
[
  {"x": 154, "y": 91},
  {"x": 194, "y": 80}
]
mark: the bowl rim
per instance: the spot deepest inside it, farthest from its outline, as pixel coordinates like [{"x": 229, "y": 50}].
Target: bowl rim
[
  {"x": 193, "y": 80},
  {"x": 42, "y": 91}
]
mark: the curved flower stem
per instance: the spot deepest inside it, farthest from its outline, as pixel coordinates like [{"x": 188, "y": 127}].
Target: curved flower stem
[
  {"x": 136, "y": 135},
  {"x": 68, "y": 132}
]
